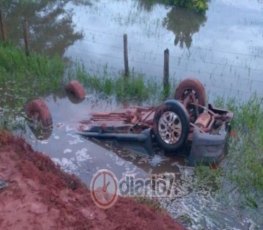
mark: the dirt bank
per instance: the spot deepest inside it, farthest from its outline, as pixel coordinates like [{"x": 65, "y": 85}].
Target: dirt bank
[{"x": 40, "y": 196}]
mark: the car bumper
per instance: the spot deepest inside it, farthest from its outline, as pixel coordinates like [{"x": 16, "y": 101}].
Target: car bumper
[{"x": 208, "y": 148}]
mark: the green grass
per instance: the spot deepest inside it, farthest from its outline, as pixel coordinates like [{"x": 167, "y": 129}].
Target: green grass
[
  {"x": 150, "y": 202},
  {"x": 39, "y": 73},
  {"x": 243, "y": 166},
  {"x": 23, "y": 78},
  {"x": 132, "y": 88},
  {"x": 246, "y": 151},
  {"x": 199, "y": 6},
  {"x": 208, "y": 177}
]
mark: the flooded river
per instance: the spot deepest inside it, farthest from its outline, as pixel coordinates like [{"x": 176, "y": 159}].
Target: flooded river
[{"x": 223, "y": 48}]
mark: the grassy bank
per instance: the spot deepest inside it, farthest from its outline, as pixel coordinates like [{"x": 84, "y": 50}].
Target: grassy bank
[
  {"x": 28, "y": 76},
  {"x": 244, "y": 165},
  {"x": 23, "y": 78},
  {"x": 242, "y": 169}
]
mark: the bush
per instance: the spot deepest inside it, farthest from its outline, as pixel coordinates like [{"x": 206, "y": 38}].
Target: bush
[{"x": 199, "y": 6}]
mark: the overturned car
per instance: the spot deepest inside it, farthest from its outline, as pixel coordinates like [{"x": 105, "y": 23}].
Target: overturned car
[{"x": 185, "y": 124}]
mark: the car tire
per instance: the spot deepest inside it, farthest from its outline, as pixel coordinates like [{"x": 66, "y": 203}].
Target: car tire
[
  {"x": 75, "y": 90},
  {"x": 38, "y": 110},
  {"x": 193, "y": 85},
  {"x": 171, "y": 125},
  {"x": 40, "y": 132}
]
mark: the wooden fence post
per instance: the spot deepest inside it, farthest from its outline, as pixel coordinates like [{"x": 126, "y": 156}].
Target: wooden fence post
[
  {"x": 2, "y": 27},
  {"x": 126, "y": 60},
  {"x": 26, "y": 37},
  {"x": 166, "y": 72}
]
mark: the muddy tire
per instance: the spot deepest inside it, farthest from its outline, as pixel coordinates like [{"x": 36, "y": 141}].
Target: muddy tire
[
  {"x": 37, "y": 110},
  {"x": 171, "y": 125},
  {"x": 191, "y": 85},
  {"x": 75, "y": 91},
  {"x": 40, "y": 132},
  {"x": 197, "y": 90}
]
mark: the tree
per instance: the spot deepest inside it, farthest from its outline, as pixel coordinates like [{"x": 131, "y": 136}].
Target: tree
[
  {"x": 199, "y": 6},
  {"x": 50, "y": 26},
  {"x": 184, "y": 23}
]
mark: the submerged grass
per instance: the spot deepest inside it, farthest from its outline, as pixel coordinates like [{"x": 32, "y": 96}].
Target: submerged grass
[{"x": 131, "y": 88}]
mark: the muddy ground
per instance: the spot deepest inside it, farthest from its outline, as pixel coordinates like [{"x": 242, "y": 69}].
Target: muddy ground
[{"x": 36, "y": 194}]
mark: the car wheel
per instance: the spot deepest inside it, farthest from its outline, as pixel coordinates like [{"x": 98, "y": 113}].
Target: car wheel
[
  {"x": 76, "y": 91},
  {"x": 37, "y": 110},
  {"x": 171, "y": 125},
  {"x": 196, "y": 89}
]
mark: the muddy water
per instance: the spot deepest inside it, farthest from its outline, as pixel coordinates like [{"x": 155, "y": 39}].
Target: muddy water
[
  {"x": 194, "y": 203},
  {"x": 84, "y": 157},
  {"x": 223, "y": 48}
]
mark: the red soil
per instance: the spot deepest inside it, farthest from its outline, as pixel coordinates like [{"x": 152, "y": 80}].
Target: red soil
[{"x": 41, "y": 196}]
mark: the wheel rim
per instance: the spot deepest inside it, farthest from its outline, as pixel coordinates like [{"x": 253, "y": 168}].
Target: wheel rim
[
  {"x": 170, "y": 127},
  {"x": 193, "y": 92},
  {"x": 190, "y": 106}
]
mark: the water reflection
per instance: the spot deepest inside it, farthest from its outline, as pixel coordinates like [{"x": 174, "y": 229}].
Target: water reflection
[
  {"x": 146, "y": 4},
  {"x": 50, "y": 26},
  {"x": 184, "y": 24}
]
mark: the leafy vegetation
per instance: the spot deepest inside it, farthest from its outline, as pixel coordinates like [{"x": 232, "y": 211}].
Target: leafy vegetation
[
  {"x": 184, "y": 24},
  {"x": 44, "y": 27},
  {"x": 199, "y": 6}
]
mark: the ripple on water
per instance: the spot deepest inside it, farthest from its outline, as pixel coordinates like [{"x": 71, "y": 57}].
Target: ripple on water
[
  {"x": 157, "y": 160},
  {"x": 200, "y": 208},
  {"x": 66, "y": 151},
  {"x": 68, "y": 165},
  {"x": 82, "y": 155}
]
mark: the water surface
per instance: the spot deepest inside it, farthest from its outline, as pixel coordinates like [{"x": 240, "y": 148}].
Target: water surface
[{"x": 223, "y": 48}]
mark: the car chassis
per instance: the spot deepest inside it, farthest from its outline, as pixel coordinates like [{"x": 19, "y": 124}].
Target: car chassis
[{"x": 184, "y": 124}]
